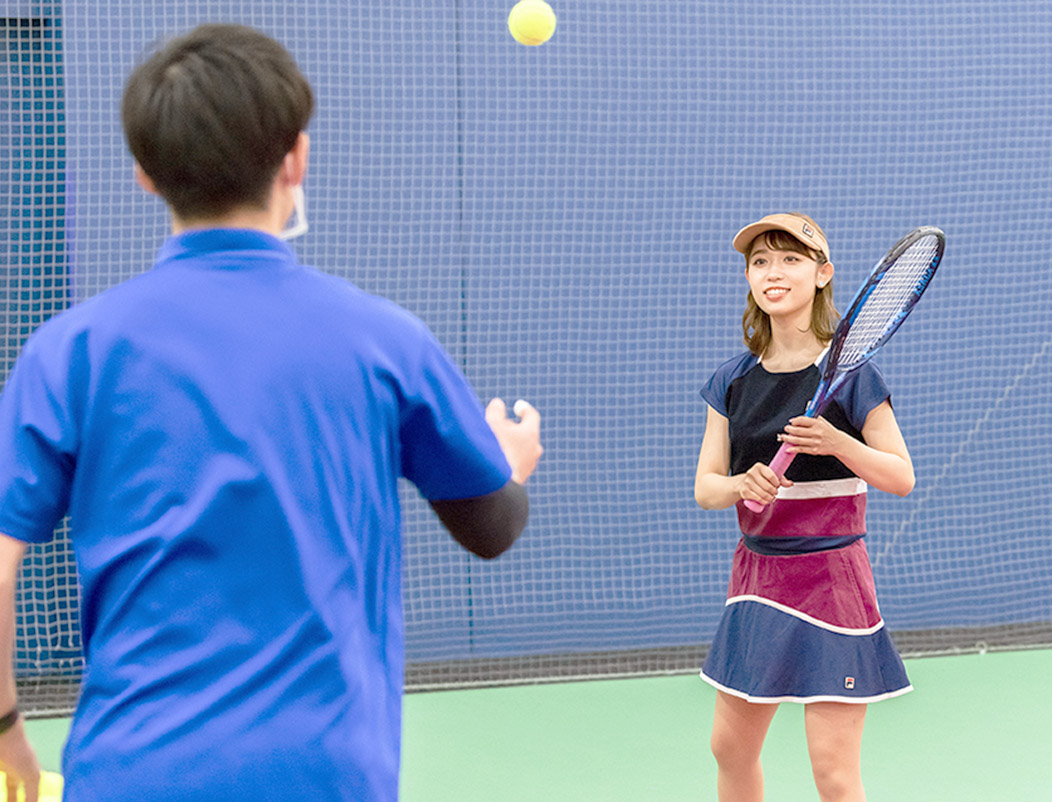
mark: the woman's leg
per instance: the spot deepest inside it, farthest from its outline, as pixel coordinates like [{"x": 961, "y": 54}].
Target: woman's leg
[
  {"x": 834, "y": 742},
  {"x": 738, "y": 730}
]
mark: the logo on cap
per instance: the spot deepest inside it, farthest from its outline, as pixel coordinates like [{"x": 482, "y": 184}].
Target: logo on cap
[{"x": 807, "y": 231}]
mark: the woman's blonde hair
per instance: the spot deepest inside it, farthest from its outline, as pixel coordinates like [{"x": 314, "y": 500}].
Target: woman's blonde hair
[{"x": 756, "y": 324}]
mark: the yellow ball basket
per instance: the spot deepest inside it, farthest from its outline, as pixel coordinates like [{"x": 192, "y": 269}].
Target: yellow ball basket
[{"x": 50, "y": 788}]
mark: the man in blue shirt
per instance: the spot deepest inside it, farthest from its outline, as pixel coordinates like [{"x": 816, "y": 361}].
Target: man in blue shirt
[{"x": 226, "y": 432}]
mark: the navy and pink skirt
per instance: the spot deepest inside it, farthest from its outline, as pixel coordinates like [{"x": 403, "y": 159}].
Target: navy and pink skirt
[{"x": 804, "y": 627}]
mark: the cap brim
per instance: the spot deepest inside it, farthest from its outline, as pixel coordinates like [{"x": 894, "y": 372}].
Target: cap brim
[
  {"x": 792, "y": 225},
  {"x": 743, "y": 239}
]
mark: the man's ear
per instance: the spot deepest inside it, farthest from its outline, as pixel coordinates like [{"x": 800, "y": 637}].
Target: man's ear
[
  {"x": 144, "y": 180},
  {"x": 294, "y": 167}
]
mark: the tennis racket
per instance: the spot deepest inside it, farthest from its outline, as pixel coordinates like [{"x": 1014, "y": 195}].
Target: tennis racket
[{"x": 881, "y": 304}]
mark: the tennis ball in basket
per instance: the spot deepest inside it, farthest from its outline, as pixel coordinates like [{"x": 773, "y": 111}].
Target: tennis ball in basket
[{"x": 531, "y": 22}]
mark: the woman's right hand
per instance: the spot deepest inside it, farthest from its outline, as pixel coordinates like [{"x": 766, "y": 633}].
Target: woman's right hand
[{"x": 761, "y": 484}]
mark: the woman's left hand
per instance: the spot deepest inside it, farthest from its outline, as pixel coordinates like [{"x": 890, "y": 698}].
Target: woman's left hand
[{"x": 815, "y": 436}]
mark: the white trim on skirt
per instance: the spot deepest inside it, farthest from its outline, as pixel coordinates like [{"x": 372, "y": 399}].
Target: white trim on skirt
[{"x": 773, "y": 700}]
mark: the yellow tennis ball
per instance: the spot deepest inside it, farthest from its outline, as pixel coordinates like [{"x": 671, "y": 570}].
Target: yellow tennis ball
[{"x": 531, "y": 22}]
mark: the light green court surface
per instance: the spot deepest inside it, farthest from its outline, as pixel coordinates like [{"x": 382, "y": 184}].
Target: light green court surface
[{"x": 978, "y": 728}]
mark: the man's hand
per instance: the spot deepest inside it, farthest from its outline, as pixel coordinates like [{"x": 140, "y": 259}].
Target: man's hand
[
  {"x": 19, "y": 762},
  {"x": 520, "y": 442}
]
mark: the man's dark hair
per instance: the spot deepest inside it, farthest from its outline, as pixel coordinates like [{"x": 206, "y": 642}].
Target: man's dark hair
[{"x": 210, "y": 117}]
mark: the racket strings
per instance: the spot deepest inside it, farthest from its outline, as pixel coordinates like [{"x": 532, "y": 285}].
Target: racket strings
[{"x": 889, "y": 300}]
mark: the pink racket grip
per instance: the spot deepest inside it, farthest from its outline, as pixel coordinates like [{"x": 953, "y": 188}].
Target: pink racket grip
[{"x": 780, "y": 464}]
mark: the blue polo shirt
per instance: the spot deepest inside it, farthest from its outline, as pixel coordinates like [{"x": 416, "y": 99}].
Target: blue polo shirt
[{"x": 226, "y": 432}]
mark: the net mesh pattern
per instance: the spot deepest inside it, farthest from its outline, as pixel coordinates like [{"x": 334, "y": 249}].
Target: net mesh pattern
[{"x": 561, "y": 217}]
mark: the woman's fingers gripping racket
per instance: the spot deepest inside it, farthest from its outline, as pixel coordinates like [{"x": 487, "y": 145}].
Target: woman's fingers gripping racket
[{"x": 764, "y": 481}]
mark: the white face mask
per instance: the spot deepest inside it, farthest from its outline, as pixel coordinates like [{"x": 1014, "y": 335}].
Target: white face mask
[{"x": 297, "y": 222}]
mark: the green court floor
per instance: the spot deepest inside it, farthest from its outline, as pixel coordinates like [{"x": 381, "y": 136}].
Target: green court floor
[{"x": 978, "y": 728}]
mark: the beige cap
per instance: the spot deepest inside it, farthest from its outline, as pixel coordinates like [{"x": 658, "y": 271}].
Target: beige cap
[{"x": 804, "y": 231}]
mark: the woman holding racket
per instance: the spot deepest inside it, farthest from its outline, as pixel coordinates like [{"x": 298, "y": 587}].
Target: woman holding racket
[{"x": 801, "y": 622}]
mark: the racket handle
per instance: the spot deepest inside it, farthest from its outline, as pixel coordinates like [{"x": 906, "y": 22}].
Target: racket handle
[{"x": 780, "y": 464}]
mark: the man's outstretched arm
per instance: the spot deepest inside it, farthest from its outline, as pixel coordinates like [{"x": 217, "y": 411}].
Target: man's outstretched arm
[{"x": 488, "y": 525}]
